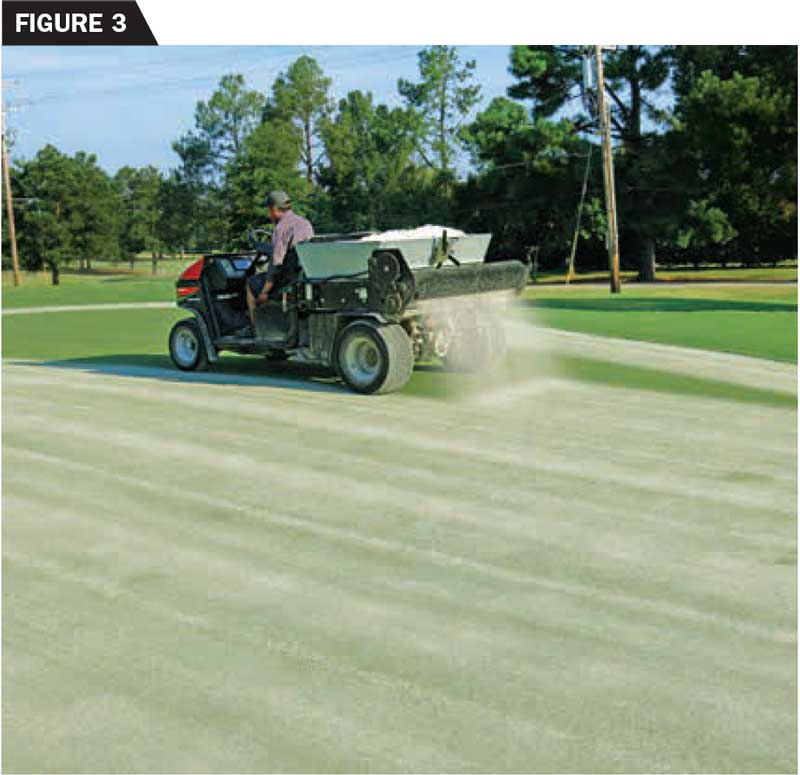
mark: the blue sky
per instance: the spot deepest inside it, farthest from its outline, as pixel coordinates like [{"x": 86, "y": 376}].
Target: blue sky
[{"x": 128, "y": 104}]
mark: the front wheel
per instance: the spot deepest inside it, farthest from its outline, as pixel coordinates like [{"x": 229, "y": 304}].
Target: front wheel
[
  {"x": 186, "y": 346},
  {"x": 372, "y": 358}
]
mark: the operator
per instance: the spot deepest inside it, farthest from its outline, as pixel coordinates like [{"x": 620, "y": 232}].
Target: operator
[{"x": 290, "y": 229}]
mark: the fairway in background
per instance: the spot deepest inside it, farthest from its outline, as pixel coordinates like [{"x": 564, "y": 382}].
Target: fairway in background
[{"x": 760, "y": 321}]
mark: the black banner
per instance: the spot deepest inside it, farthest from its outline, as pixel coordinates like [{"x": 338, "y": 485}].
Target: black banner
[{"x": 75, "y": 23}]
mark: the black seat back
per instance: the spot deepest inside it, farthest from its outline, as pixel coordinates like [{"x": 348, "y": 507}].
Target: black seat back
[{"x": 216, "y": 276}]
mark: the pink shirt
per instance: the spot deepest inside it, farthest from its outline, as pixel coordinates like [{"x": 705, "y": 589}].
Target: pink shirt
[{"x": 290, "y": 230}]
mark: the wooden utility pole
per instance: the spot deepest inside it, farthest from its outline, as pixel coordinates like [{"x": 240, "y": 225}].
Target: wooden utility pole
[
  {"x": 612, "y": 238},
  {"x": 12, "y": 232}
]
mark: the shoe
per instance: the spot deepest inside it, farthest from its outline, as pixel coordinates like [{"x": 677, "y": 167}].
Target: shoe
[{"x": 246, "y": 332}]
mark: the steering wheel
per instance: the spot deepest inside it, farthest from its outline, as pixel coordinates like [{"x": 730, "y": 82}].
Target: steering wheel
[
  {"x": 259, "y": 241},
  {"x": 258, "y": 238}
]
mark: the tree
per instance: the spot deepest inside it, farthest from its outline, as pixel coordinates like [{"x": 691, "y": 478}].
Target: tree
[
  {"x": 269, "y": 159},
  {"x": 224, "y": 121},
  {"x": 43, "y": 234},
  {"x": 72, "y": 210},
  {"x": 176, "y": 227},
  {"x": 444, "y": 95},
  {"x": 551, "y": 76},
  {"x": 371, "y": 176},
  {"x": 738, "y": 147},
  {"x": 777, "y": 64},
  {"x": 203, "y": 204},
  {"x": 140, "y": 193},
  {"x": 300, "y": 95},
  {"x": 530, "y": 172},
  {"x": 221, "y": 127},
  {"x": 704, "y": 227}
]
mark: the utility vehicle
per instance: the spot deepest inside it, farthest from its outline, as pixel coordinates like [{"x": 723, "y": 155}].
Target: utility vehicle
[{"x": 367, "y": 309}]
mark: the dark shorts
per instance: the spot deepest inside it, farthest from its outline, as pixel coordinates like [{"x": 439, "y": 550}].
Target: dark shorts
[
  {"x": 257, "y": 282},
  {"x": 280, "y": 275}
]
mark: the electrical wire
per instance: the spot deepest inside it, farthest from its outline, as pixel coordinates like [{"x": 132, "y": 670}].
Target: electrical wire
[
  {"x": 571, "y": 271},
  {"x": 164, "y": 82}
]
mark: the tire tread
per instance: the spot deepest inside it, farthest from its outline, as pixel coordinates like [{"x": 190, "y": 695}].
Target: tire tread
[{"x": 399, "y": 350}]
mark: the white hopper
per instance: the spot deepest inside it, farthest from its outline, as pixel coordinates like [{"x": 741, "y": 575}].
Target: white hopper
[{"x": 348, "y": 257}]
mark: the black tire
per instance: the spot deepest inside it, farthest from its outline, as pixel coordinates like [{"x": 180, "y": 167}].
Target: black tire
[
  {"x": 372, "y": 358},
  {"x": 477, "y": 349},
  {"x": 186, "y": 346}
]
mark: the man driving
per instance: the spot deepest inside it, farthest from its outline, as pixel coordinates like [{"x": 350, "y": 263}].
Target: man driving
[{"x": 290, "y": 229}]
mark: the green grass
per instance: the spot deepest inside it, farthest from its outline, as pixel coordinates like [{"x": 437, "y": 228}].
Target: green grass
[
  {"x": 759, "y": 321},
  {"x": 114, "y": 338},
  {"x": 36, "y": 290},
  {"x": 61, "y": 335}
]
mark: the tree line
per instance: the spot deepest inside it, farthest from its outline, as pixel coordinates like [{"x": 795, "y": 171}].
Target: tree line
[{"x": 705, "y": 155}]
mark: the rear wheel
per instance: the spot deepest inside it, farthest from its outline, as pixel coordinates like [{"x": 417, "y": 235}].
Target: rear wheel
[
  {"x": 372, "y": 358},
  {"x": 186, "y": 347}
]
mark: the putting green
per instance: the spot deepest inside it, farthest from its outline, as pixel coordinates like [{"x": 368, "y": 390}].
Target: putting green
[
  {"x": 545, "y": 570},
  {"x": 585, "y": 562}
]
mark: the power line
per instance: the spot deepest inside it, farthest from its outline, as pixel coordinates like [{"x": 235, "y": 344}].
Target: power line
[
  {"x": 270, "y": 73},
  {"x": 571, "y": 271}
]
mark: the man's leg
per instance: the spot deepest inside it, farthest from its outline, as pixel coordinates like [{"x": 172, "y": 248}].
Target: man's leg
[
  {"x": 255, "y": 286},
  {"x": 251, "y": 306}
]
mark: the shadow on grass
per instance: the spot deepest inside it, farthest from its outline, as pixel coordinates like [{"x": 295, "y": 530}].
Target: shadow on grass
[
  {"x": 627, "y": 304},
  {"x": 228, "y": 371}
]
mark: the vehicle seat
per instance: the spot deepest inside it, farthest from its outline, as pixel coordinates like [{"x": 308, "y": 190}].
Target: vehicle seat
[{"x": 289, "y": 274}]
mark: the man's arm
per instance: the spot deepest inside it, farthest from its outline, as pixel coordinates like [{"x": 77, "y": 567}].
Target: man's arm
[{"x": 280, "y": 244}]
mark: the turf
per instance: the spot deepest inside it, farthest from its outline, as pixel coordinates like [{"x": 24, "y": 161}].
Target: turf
[
  {"x": 759, "y": 321},
  {"x": 86, "y": 334},
  {"x": 139, "y": 337},
  {"x": 216, "y": 573},
  {"x": 584, "y": 562},
  {"x": 754, "y": 320},
  {"x": 36, "y": 290}
]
